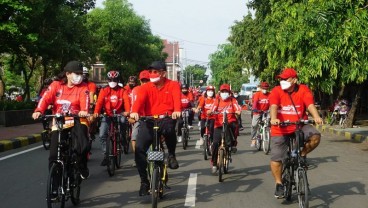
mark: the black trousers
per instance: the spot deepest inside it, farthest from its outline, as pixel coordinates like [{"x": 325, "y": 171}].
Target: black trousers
[
  {"x": 217, "y": 139},
  {"x": 181, "y": 122},
  {"x": 211, "y": 123},
  {"x": 145, "y": 139}
]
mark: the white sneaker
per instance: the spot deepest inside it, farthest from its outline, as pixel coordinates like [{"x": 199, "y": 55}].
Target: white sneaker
[
  {"x": 179, "y": 139},
  {"x": 214, "y": 169},
  {"x": 190, "y": 127},
  {"x": 200, "y": 141}
]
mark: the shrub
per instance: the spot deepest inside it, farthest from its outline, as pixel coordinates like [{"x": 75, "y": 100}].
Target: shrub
[{"x": 6, "y": 105}]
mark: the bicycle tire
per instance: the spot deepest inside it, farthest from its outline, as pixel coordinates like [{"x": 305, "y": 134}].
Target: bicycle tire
[
  {"x": 205, "y": 147},
  {"x": 75, "y": 189},
  {"x": 226, "y": 161},
  {"x": 287, "y": 182},
  {"x": 45, "y": 139},
  {"x": 125, "y": 142},
  {"x": 302, "y": 189},
  {"x": 110, "y": 157},
  {"x": 266, "y": 142},
  {"x": 184, "y": 133},
  {"x": 55, "y": 179},
  {"x": 155, "y": 186},
  {"x": 259, "y": 138},
  {"x": 220, "y": 164},
  {"x": 119, "y": 150}
]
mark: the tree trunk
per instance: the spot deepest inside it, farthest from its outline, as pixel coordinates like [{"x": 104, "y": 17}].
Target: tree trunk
[{"x": 353, "y": 111}]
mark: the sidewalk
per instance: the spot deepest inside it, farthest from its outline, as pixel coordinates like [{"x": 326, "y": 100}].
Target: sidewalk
[{"x": 19, "y": 136}]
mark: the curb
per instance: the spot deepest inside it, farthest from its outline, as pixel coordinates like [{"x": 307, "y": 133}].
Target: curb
[
  {"x": 9, "y": 144},
  {"x": 354, "y": 137}
]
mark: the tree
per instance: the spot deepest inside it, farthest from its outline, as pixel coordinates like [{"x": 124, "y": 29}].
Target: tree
[{"x": 194, "y": 73}]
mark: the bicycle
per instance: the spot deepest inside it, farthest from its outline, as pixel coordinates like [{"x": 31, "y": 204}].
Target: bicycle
[
  {"x": 128, "y": 137},
  {"x": 185, "y": 128},
  {"x": 45, "y": 135},
  {"x": 294, "y": 171},
  {"x": 206, "y": 140},
  {"x": 157, "y": 168},
  {"x": 263, "y": 133},
  {"x": 64, "y": 176},
  {"x": 113, "y": 145},
  {"x": 224, "y": 150}
]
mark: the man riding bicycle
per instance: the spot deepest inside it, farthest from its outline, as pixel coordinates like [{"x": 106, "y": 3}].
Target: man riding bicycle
[
  {"x": 229, "y": 104},
  {"x": 289, "y": 101},
  {"x": 186, "y": 103},
  {"x": 160, "y": 97}
]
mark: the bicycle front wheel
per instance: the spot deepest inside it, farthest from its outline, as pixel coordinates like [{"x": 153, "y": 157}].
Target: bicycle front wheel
[
  {"x": 266, "y": 143},
  {"x": 205, "y": 147},
  {"x": 55, "y": 197},
  {"x": 119, "y": 150},
  {"x": 287, "y": 181},
  {"x": 185, "y": 137},
  {"x": 155, "y": 186},
  {"x": 75, "y": 189},
  {"x": 110, "y": 157},
  {"x": 220, "y": 162},
  {"x": 302, "y": 189}
]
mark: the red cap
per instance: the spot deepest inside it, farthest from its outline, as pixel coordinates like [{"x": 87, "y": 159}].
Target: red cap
[
  {"x": 265, "y": 85},
  {"x": 210, "y": 87},
  {"x": 144, "y": 75},
  {"x": 287, "y": 73},
  {"x": 225, "y": 87}
]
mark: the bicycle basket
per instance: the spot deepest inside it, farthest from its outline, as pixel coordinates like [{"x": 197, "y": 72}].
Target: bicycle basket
[{"x": 155, "y": 156}]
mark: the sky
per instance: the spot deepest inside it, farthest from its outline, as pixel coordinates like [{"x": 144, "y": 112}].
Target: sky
[{"x": 198, "y": 25}]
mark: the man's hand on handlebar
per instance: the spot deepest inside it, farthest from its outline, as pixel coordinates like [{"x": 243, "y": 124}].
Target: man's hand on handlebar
[
  {"x": 36, "y": 115},
  {"x": 176, "y": 115},
  {"x": 318, "y": 120},
  {"x": 83, "y": 113},
  {"x": 275, "y": 121},
  {"x": 134, "y": 116}
]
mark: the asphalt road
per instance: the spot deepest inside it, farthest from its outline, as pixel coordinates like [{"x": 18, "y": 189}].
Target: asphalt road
[{"x": 338, "y": 177}]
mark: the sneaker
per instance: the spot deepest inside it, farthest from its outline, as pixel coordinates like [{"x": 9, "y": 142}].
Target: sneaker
[
  {"x": 279, "y": 192},
  {"x": 200, "y": 141},
  {"x": 104, "y": 162},
  {"x": 190, "y": 127},
  {"x": 253, "y": 144},
  {"x": 180, "y": 139},
  {"x": 214, "y": 169},
  {"x": 234, "y": 150},
  {"x": 134, "y": 164},
  {"x": 144, "y": 190},
  {"x": 173, "y": 163},
  {"x": 241, "y": 128},
  {"x": 84, "y": 173}
]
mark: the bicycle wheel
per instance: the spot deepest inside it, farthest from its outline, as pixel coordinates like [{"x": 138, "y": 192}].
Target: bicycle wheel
[
  {"x": 205, "y": 147},
  {"x": 110, "y": 156},
  {"x": 266, "y": 144},
  {"x": 220, "y": 164},
  {"x": 45, "y": 139},
  {"x": 287, "y": 181},
  {"x": 55, "y": 197},
  {"x": 184, "y": 133},
  {"x": 302, "y": 189},
  {"x": 155, "y": 186},
  {"x": 75, "y": 186},
  {"x": 119, "y": 150},
  {"x": 125, "y": 141},
  {"x": 259, "y": 138},
  {"x": 226, "y": 161}
]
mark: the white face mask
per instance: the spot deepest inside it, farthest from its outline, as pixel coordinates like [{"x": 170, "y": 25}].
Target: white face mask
[
  {"x": 264, "y": 91},
  {"x": 76, "y": 79},
  {"x": 224, "y": 95},
  {"x": 236, "y": 95},
  {"x": 113, "y": 84},
  {"x": 209, "y": 93},
  {"x": 285, "y": 85},
  {"x": 156, "y": 79}
]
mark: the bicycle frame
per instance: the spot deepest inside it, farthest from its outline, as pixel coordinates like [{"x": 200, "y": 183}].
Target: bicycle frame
[
  {"x": 224, "y": 150},
  {"x": 207, "y": 141},
  {"x": 185, "y": 129}
]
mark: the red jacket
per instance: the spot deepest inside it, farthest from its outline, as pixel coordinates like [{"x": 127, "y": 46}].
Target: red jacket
[
  {"x": 205, "y": 104},
  {"x": 230, "y": 105},
  {"x": 154, "y": 101},
  {"x": 111, "y": 99}
]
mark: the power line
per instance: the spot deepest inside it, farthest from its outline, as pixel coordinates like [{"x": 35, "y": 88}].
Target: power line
[{"x": 197, "y": 43}]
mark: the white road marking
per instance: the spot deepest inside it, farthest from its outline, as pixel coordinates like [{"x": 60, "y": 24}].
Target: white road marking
[
  {"x": 19, "y": 153},
  {"x": 191, "y": 191}
]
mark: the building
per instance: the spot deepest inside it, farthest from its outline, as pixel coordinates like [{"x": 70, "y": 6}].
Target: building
[{"x": 172, "y": 60}]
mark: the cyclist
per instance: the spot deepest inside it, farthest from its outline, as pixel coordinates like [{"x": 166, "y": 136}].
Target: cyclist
[
  {"x": 68, "y": 95},
  {"x": 186, "y": 103},
  {"x": 289, "y": 101},
  {"x": 92, "y": 87},
  {"x": 205, "y": 103},
  {"x": 260, "y": 103},
  {"x": 144, "y": 77},
  {"x": 240, "y": 101},
  {"x": 160, "y": 97},
  {"x": 229, "y": 104},
  {"x": 111, "y": 97}
]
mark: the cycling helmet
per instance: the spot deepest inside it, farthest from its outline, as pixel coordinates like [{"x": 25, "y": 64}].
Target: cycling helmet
[
  {"x": 85, "y": 70},
  {"x": 184, "y": 86},
  {"x": 210, "y": 87},
  {"x": 113, "y": 74}
]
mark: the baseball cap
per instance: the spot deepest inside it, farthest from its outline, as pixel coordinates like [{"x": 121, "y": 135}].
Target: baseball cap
[
  {"x": 225, "y": 87},
  {"x": 265, "y": 85},
  {"x": 287, "y": 73},
  {"x": 144, "y": 75},
  {"x": 74, "y": 66},
  {"x": 158, "y": 65}
]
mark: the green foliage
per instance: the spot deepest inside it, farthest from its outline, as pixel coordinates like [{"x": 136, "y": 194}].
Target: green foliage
[
  {"x": 6, "y": 105},
  {"x": 197, "y": 73}
]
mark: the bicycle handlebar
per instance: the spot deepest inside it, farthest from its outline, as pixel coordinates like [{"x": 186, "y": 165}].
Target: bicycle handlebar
[{"x": 302, "y": 121}]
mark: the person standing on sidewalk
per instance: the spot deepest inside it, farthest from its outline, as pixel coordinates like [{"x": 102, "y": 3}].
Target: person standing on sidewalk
[
  {"x": 160, "y": 97},
  {"x": 260, "y": 104},
  {"x": 289, "y": 101},
  {"x": 68, "y": 95}
]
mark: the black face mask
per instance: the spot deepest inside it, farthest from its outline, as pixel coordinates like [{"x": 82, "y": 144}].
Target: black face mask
[{"x": 184, "y": 92}]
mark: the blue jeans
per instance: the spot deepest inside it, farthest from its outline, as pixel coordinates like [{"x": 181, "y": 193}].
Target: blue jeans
[{"x": 104, "y": 130}]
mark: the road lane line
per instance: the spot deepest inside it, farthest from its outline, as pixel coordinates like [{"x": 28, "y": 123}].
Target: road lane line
[
  {"x": 19, "y": 153},
  {"x": 191, "y": 191}
]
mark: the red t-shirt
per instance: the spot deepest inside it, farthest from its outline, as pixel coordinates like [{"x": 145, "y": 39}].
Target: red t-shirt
[
  {"x": 112, "y": 99},
  {"x": 230, "y": 105},
  {"x": 65, "y": 99},
  {"x": 154, "y": 101},
  {"x": 186, "y": 100},
  {"x": 135, "y": 93},
  {"x": 261, "y": 102},
  {"x": 302, "y": 98},
  {"x": 205, "y": 104}
]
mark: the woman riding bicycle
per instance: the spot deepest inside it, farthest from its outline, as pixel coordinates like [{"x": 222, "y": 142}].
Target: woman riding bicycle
[
  {"x": 112, "y": 97},
  {"x": 187, "y": 102},
  {"x": 231, "y": 106},
  {"x": 68, "y": 95}
]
